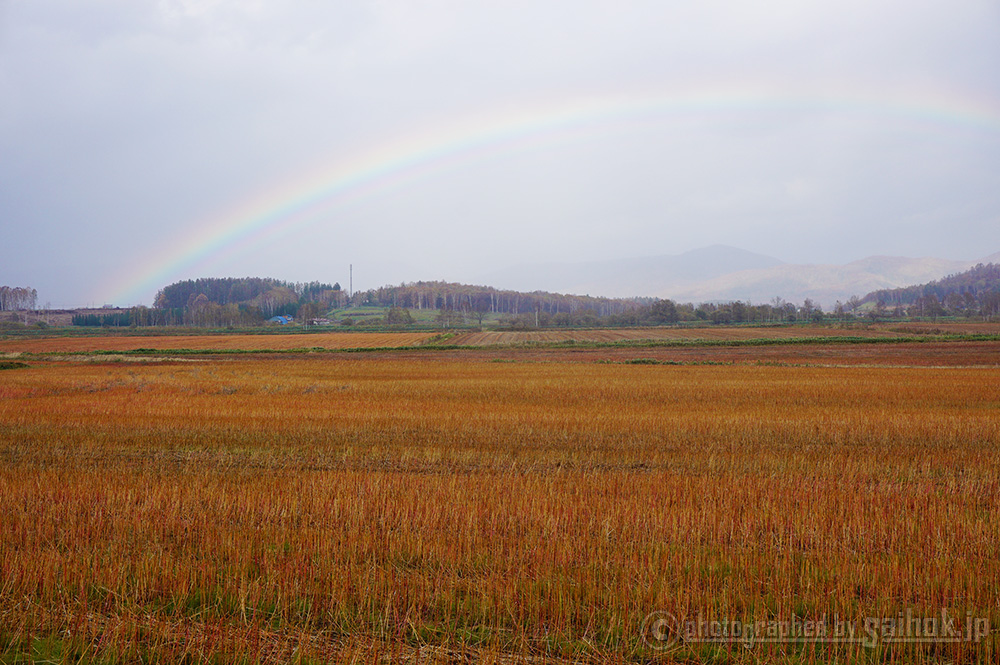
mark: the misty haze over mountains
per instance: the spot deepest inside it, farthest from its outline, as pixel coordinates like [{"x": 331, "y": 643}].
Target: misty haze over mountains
[{"x": 723, "y": 273}]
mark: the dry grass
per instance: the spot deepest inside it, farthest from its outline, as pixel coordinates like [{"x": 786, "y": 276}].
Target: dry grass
[
  {"x": 337, "y": 340},
  {"x": 944, "y": 328},
  {"x": 956, "y": 353},
  {"x": 884, "y": 354},
  {"x": 492, "y": 338},
  {"x": 710, "y": 333},
  {"x": 380, "y": 508}
]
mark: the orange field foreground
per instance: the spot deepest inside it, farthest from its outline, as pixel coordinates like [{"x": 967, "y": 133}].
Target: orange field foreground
[{"x": 377, "y": 508}]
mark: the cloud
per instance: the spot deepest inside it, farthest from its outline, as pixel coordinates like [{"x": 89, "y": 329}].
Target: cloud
[{"x": 816, "y": 132}]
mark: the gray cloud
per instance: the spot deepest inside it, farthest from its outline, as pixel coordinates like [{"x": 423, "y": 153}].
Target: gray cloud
[{"x": 814, "y": 132}]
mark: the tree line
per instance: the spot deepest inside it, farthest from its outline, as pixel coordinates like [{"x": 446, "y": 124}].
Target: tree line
[
  {"x": 17, "y": 298},
  {"x": 659, "y": 312},
  {"x": 486, "y": 299},
  {"x": 975, "y": 292},
  {"x": 273, "y": 296},
  {"x": 200, "y": 314},
  {"x": 250, "y": 301}
]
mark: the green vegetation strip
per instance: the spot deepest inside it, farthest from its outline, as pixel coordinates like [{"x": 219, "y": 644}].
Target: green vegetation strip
[
  {"x": 8, "y": 364},
  {"x": 654, "y": 361},
  {"x": 566, "y": 344}
]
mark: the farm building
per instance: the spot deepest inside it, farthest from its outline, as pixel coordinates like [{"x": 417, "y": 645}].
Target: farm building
[{"x": 280, "y": 320}]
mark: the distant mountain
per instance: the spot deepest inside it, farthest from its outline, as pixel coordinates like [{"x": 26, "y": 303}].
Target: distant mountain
[
  {"x": 992, "y": 258},
  {"x": 622, "y": 278},
  {"x": 825, "y": 284},
  {"x": 722, "y": 273}
]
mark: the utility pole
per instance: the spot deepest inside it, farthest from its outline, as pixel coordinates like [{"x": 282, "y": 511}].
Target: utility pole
[{"x": 350, "y": 284}]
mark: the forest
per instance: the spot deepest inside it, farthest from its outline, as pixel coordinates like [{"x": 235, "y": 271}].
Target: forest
[
  {"x": 973, "y": 292},
  {"x": 251, "y": 301}
]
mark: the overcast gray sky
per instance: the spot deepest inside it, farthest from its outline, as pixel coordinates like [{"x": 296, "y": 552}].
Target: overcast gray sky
[{"x": 144, "y": 142}]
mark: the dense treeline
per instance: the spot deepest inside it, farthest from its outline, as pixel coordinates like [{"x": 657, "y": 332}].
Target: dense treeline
[
  {"x": 133, "y": 316},
  {"x": 659, "y": 312},
  {"x": 250, "y": 301},
  {"x": 113, "y": 319},
  {"x": 273, "y": 296},
  {"x": 17, "y": 297},
  {"x": 459, "y": 304},
  {"x": 203, "y": 314},
  {"x": 975, "y": 292},
  {"x": 253, "y": 300},
  {"x": 483, "y": 299}
]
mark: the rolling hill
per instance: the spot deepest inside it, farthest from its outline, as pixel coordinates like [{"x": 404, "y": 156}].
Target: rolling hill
[
  {"x": 975, "y": 283},
  {"x": 825, "y": 284},
  {"x": 722, "y": 273},
  {"x": 622, "y": 278}
]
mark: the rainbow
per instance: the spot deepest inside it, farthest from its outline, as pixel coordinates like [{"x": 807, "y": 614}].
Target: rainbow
[{"x": 311, "y": 196}]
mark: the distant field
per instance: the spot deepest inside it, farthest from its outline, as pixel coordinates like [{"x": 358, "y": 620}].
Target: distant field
[
  {"x": 955, "y": 353},
  {"x": 637, "y": 334},
  {"x": 931, "y": 328},
  {"x": 338, "y": 340},
  {"x": 358, "y": 340},
  {"x": 491, "y": 338},
  {"x": 419, "y": 506}
]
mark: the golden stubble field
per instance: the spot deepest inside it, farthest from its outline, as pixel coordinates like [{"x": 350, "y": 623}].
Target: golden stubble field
[{"x": 381, "y": 509}]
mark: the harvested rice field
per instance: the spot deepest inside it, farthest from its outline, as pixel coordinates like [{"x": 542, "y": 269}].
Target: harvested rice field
[{"x": 502, "y": 504}]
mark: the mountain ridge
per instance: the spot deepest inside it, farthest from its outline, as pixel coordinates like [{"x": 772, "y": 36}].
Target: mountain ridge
[
  {"x": 620, "y": 278},
  {"x": 725, "y": 273},
  {"x": 978, "y": 285}
]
